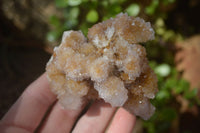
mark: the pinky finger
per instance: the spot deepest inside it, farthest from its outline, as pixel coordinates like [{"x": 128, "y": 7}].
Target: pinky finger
[{"x": 123, "y": 122}]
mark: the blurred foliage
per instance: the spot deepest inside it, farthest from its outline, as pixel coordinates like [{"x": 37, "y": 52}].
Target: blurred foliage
[
  {"x": 171, "y": 86},
  {"x": 82, "y": 14}
]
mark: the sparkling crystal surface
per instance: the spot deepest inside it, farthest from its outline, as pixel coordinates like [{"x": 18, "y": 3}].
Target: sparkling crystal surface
[{"x": 109, "y": 65}]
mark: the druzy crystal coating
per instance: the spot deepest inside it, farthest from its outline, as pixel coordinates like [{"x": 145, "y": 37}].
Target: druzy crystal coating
[{"x": 109, "y": 65}]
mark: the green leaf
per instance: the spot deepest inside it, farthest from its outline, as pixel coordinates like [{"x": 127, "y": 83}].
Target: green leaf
[
  {"x": 116, "y": 1},
  {"x": 133, "y": 10},
  {"x": 166, "y": 2},
  {"x": 74, "y": 2},
  {"x": 74, "y": 12},
  {"x": 160, "y": 22},
  {"x": 150, "y": 10},
  {"x": 168, "y": 114},
  {"x": 163, "y": 94},
  {"x": 163, "y": 70},
  {"x": 169, "y": 34},
  {"x": 160, "y": 30},
  {"x": 61, "y": 3},
  {"x": 152, "y": 64},
  {"x": 70, "y": 23},
  {"x": 92, "y": 16},
  {"x": 150, "y": 126},
  {"x": 52, "y": 36},
  {"x": 104, "y": 3},
  {"x": 115, "y": 9},
  {"x": 113, "y": 1},
  {"x": 84, "y": 28},
  {"x": 54, "y": 21},
  {"x": 170, "y": 83},
  {"x": 182, "y": 86},
  {"x": 191, "y": 93}
]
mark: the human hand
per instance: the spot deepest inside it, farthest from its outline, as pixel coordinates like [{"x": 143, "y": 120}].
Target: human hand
[{"x": 37, "y": 110}]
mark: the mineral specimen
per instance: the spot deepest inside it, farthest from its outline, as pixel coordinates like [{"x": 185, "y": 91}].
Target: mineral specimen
[{"x": 110, "y": 65}]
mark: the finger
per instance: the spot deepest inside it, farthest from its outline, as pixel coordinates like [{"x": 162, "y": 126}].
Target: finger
[
  {"x": 12, "y": 129},
  {"x": 96, "y": 118},
  {"x": 60, "y": 118},
  {"x": 31, "y": 106},
  {"x": 123, "y": 122}
]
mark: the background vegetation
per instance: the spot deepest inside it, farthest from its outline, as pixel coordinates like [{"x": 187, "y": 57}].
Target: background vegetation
[{"x": 174, "y": 54}]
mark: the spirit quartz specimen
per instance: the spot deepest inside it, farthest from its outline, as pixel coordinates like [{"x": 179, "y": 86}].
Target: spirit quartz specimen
[{"x": 109, "y": 65}]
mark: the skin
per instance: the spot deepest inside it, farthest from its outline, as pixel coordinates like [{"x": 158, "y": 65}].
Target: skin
[{"x": 37, "y": 110}]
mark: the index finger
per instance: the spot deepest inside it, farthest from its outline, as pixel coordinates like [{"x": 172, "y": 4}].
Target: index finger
[{"x": 31, "y": 106}]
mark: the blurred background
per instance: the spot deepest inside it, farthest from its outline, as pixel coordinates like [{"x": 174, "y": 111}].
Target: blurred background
[{"x": 29, "y": 29}]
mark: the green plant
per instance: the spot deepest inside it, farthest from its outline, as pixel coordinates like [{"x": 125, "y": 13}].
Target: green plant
[
  {"x": 171, "y": 86},
  {"x": 82, "y": 14}
]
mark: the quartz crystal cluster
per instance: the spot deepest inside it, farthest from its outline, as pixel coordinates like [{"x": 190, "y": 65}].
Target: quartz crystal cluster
[{"x": 109, "y": 65}]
